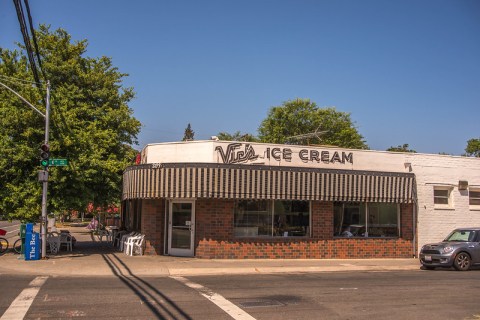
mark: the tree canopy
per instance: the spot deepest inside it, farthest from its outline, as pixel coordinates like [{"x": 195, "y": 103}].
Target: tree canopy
[
  {"x": 237, "y": 136},
  {"x": 91, "y": 125},
  {"x": 294, "y": 119},
  {"x": 473, "y": 148},
  {"x": 402, "y": 148}
]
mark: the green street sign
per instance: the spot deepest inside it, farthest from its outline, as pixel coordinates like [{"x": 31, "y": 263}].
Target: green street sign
[{"x": 58, "y": 162}]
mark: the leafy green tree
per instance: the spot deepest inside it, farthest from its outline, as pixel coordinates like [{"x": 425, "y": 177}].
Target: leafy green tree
[
  {"x": 237, "y": 136},
  {"x": 91, "y": 125},
  {"x": 301, "y": 121},
  {"x": 473, "y": 148},
  {"x": 189, "y": 133},
  {"x": 403, "y": 148}
]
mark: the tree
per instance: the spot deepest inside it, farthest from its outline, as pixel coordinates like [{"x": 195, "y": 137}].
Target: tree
[
  {"x": 189, "y": 133},
  {"x": 301, "y": 116},
  {"x": 91, "y": 125},
  {"x": 473, "y": 148},
  {"x": 237, "y": 136},
  {"x": 403, "y": 148}
]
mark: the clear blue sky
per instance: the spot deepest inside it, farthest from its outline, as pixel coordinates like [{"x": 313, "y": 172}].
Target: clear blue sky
[{"x": 407, "y": 71}]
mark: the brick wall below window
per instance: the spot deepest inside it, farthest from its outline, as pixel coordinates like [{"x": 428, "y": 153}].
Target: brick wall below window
[{"x": 214, "y": 237}]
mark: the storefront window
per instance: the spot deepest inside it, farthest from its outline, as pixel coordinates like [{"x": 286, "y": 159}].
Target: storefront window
[
  {"x": 254, "y": 218},
  {"x": 350, "y": 220},
  {"x": 291, "y": 218}
]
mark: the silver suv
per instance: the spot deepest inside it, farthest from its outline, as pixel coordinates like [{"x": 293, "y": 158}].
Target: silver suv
[{"x": 461, "y": 249}]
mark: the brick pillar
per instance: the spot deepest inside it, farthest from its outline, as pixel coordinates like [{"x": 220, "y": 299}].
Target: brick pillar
[
  {"x": 213, "y": 226},
  {"x": 406, "y": 221},
  {"x": 153, "y": 225},
  {"x": 322, "y": 220}
]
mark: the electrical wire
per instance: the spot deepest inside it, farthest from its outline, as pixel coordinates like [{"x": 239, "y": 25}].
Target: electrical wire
[
  {"x": 26, "y": 38},
  {"x": 19, "y": 81},
  {"x": 32, "y": 30}
]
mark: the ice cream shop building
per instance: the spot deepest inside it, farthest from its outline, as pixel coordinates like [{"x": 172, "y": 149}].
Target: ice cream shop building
[{"x": 223, "y": 199}]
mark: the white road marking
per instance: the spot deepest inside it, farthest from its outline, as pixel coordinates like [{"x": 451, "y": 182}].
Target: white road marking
[
  {"x": 19, "y": 307},
  {"x": 230, "y": 308}
]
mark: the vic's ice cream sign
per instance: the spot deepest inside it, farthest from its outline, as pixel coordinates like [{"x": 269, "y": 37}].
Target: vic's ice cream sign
[{"x": 248, "y": 153}]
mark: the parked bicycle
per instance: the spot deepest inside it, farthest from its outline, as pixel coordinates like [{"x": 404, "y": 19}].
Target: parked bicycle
[
  {"x": 3, "y": 242},
  {"x": 17, "y": 245}
]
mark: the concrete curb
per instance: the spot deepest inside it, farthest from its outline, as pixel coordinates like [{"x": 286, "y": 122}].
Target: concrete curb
[{"x": 120, "y": 265}]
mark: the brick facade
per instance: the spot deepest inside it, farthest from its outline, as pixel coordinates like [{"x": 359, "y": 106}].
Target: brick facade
[
  {"x": 214, "y": 237},
  {"x": 153, "y": 225}
]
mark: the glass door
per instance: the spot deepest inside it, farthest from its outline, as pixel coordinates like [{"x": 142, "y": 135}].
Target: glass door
[{"x": 181, "y": 224}]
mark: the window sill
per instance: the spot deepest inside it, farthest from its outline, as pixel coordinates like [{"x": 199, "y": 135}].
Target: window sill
[
  {"x": 440, "y": 207},
  {"x": 474, "y": 208},
  {"x": 356, "y": 238}
]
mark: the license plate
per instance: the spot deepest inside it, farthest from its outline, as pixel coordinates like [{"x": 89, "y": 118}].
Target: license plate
[{"x": 428, "y": 258}]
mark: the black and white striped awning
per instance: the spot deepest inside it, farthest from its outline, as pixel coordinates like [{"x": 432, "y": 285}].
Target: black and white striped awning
[{"x": 204, "y": 180}]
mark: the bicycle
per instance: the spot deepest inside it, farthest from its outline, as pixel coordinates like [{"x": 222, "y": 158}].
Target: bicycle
[
  {"x": 17, "y": 246},
  {"x": 3, "y": 242}
]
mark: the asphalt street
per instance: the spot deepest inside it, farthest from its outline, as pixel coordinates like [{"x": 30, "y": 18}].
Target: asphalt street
[{"x": 440, "y": 294}]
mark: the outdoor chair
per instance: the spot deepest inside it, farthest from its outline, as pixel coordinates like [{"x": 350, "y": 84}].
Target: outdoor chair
[
  {"x": 125, "y": 238},
  {"x": 53, "y": 241},
  {"x": 104, "y": 233},
  {"x": 67, "y": 240},
  {"x": 118, "y": 238},
  {"x": 134, "y": 244}
]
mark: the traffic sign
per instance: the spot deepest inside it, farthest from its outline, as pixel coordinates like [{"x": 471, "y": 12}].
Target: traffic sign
[{"x": 58, "y": 162}]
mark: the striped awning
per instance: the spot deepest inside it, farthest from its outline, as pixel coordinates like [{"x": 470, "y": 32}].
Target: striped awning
[{"x": 225, "y": 181}]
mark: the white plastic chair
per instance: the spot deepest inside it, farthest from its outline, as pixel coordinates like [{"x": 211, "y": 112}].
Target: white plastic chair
[
  {"x": 128, "y": 244},
  {"x": 135, "y": 242},
  {"x": 53, "y": 240},
  {"x": 125, "y": 238},
  {"x": 138, "y": 245}
]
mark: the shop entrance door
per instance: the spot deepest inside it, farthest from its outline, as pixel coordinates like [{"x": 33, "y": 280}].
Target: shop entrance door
[{"x": 181, "y": 228}]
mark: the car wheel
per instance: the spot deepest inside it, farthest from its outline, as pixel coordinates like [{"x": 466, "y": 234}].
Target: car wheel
[{"x": 462, "y": 261}]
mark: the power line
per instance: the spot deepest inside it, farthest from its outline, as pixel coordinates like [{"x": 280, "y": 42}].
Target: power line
[
  {"x": 32, "y": 30},
  {"x": 26, "y": 38},
  {"x": 19, "y": 81}
]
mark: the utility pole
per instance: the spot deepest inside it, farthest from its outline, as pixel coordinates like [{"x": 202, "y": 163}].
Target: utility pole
[
  {"x": 43, "y": 227},
  {"x": 45, "y": 181}
]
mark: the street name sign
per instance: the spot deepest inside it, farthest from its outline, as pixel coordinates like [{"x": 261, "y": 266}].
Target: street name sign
[{"x": 58, "y": 162}]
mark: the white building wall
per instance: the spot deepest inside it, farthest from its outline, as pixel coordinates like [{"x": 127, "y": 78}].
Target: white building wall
[
  {"x": 287, "y": 155},
  {"x": 435, "y": 222}
]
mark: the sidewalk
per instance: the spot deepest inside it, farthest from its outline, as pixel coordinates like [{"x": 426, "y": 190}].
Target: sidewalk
[{"x": 91, "y": 257}]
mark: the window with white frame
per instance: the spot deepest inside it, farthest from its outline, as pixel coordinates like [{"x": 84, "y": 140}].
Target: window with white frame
[
  {"x": 442, "y": 197},
  {"x": 474, "y": 198}
]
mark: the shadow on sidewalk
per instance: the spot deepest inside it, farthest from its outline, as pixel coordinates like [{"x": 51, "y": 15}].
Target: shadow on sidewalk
[
  {"x": 86, "y": 243},
  {"x": 158, "y": 303}
]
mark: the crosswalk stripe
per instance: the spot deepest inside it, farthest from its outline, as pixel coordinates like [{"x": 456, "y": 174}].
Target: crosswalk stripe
[
  {"x": 19, "y": 307},
  {"x": 230, "y": 308}
]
